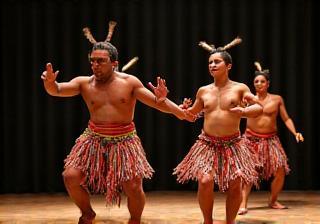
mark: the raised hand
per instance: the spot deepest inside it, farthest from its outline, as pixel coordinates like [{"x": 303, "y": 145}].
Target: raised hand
[
  {"x": 48, "y": 75},
  {"x": 299, "y": 137},
  {"x": 161, "y": 90},
  {"x": 187, "y": 102},
  {"x": 189, "y": 116}
]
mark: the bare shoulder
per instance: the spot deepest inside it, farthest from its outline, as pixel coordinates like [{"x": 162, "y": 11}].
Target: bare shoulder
[
  {"x": 130, "y": 79},
  {"x": 239, "y": 85},
  {"x": 206, "y": 88},
  {"x": 122, "y": 75},
  {"x": 82, "y": 79},
  {"x": 276, "y": 97}
]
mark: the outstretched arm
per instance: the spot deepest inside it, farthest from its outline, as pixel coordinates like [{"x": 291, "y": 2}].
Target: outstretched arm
[
  {"x": 161, "y": 92},
  {"x": 159, "y": 101},
  {"x": 288, "y": 122},
  {"x": 54, "y": 88}
]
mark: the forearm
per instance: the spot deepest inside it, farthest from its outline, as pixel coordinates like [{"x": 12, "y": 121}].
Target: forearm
[
  {"x": 290, "y": 125},
  {"x": 167, "y": 106},
  {"x": 252, "y": 111},
  {"x": 52, "y": 88}
]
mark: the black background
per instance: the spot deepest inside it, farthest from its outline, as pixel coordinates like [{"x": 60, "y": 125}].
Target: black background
[{"x": 39, "y": 130}]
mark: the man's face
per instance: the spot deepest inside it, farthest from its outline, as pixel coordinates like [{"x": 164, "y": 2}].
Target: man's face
[
  {"x": 217, "y": 65},
  {"x": 101, "y": 64}
]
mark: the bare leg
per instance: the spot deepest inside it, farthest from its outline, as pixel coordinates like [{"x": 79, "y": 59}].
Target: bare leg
[
  {"x": 72, "y": 178},
  {"x": 276, "y": 187},
  {"x": 234, "y": 198},
  {"x": 246, "y": 188},
  {"x": 205, "y": 197},
  {"x": 136, "y": 199}
]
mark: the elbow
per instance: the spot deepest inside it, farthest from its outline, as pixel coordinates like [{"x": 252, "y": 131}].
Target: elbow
[
  {"x": 49, "y": 92},
  {"x": 52, "y": 93}
]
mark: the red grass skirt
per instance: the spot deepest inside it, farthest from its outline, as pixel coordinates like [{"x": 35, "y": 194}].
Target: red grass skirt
[
  {"x": 227, "y": 156},
  {"x": 108, "y": 155},
  {"x": 269, "y": 151}
]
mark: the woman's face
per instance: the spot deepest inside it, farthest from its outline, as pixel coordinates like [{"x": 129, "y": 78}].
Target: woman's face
[{"x": 261, "y": 84}]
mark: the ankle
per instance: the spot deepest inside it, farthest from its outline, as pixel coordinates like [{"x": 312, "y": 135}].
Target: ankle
[
  {"x": 87, "y": 218},
  {"x": 88, "y": 214},
  {"x": 273, "y": 199}
]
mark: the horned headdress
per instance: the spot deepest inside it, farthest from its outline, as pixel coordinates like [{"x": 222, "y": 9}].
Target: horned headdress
[
  {"x": 259, "y": 70},
  {"x": 212, "y": 49},
  {"x": 89, "y": 36},
  {"x": 112, "y": 50},
  {"x": 105, "y": 45}
]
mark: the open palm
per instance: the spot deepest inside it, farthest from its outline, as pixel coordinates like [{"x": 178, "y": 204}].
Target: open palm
[{"x": 161, "y": 90}]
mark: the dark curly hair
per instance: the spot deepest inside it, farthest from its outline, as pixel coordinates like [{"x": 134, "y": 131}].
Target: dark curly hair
[{"x": 113, "y": 52}]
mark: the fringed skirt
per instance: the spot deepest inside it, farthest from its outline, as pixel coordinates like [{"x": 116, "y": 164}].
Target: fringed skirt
[
  {"x": 109, "y": 155},
  {"x": 226, "y": 158},
  {"x": 269, "y": 151}
]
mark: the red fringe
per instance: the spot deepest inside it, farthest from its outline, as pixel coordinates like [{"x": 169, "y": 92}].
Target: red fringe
[
  {"x": 227, "y": 156},
  {"x": 269, "y": 151},
  {"x": 108, "y": 161}
]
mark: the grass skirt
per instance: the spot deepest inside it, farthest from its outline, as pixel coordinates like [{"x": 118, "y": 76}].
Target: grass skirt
[
  {"x": 269, "y": 151},
  {"x": 109, "y": 155},
  {"x": 226, "y": 157}
]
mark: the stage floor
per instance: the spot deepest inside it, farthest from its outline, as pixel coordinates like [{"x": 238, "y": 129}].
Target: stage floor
[{"x": 161, "y": 208}]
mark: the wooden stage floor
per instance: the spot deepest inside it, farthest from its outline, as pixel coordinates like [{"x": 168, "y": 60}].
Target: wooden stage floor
[{"x": 161, "y": 208}]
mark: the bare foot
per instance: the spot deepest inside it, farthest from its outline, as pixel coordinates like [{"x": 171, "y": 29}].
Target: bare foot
[
  {"x": 87, "y": 218},
  {"x": 242, "y": 211},
  {"x": 277, "y": 205}
]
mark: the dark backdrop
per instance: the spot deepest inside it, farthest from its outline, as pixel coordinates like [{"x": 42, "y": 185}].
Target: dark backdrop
[{"x": 39, "y": 130}]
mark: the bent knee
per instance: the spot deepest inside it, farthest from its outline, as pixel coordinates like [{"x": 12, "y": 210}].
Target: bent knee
[
  {"x": 205, "y": 180},
  {"x": 133, "y": 186},
  {"x": 71, "y": 175}
]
